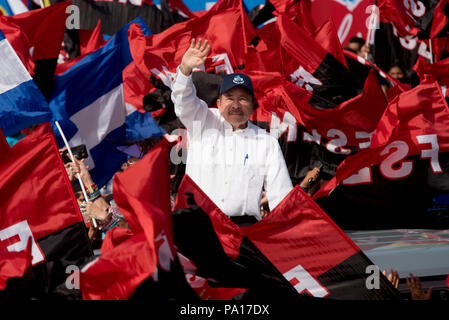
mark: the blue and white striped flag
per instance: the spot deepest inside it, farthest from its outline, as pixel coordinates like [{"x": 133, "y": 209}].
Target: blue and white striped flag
[
  {"x": 12, "y": 7},
  {"x": 21, "y": 102},
  {"x": 88, "y": 103}
]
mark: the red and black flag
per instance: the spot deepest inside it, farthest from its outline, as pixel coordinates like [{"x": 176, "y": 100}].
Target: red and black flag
[
  {"x": 163, "y": 52},
  {"x": 403, "y": 33},
  {"x": 114, "y": 14},
  {"x": 36, "y": 36},
  {"x": 141, "y": 261},
  {"x": 294, "y": 252},
  {"x": 37, "y": 202},
  {"x": 392, "y": 184},
  {"x": 307, "y": 64},
  {"x": 310, "y": 137}
]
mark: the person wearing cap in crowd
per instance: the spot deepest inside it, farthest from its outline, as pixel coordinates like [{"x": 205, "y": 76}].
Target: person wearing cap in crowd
[{"x": 228, "y": 157}]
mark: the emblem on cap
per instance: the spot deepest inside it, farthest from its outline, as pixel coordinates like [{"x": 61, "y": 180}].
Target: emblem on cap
[{"x": 238, "y": 80}]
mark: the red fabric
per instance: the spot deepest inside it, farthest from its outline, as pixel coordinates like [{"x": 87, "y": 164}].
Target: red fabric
[
  {"x": 114, "y": 237},
  {"x": 44, "y": 29},
  {"x": 34, "y": 186},
  {"x": 269, "y": 36},
  {"x": 19, "y": 41},
  {"x": 14, "y": 264},
  {"x": 395, "y": 12},
  {"x": 440, "y": 20},
  {"x": 119, "y": 271},
  {"x": 360, "y": 113},
  {"x": 419, "y": 111},
  {"x": 136, "y": 84},
  {"x": 91, "y": 40},
  {"x": 298, "y": 47},
  {"x": 301, "y": 13},
  {"x": 438, "y": 70},
  {"x": 226, "y": 26},
  {"x": 142, "y": 193},
  {"x": 282, "y": 5},
  {"x": 267, "y": 60},
  {"x": 296, "y": 232},
  {"x": 326, "y": 36}
]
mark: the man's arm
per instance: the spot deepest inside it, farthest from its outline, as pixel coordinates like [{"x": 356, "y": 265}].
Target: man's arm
[
  {"x": 277, "y": 181},
  {"x": 188, "y": 107}
]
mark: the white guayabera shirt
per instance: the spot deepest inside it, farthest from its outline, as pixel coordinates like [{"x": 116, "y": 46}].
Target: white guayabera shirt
[{"x": 231, "y": 167}]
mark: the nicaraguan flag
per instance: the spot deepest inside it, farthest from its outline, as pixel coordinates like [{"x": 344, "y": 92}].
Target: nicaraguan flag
[
  {"x": 88, "y": 103},
  {"x": 12, "y": 7},
  {"x": 21, "y": 102}
]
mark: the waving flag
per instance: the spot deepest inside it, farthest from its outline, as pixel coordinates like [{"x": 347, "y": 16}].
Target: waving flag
[
  {"x": 403, "y": 33},
  {"x": 37, "y": 202},
  {"x": 43, "y": 29},
  {"x": 115, "y": 14},
  {"x": 14, "y": 264},
  {"x": 12, "y": 7},
  {"x": 99, "y": 117},
  {"x": 392, "y": 183},
  {"x": 307, "y": 64},
  {"x": 163, "y": 52},
  {"x": 144, "y": 201},
  {"x": 310, "y": 137},
  {"x": 21, "y": 102},
  {"x": 309, "y": 254}
]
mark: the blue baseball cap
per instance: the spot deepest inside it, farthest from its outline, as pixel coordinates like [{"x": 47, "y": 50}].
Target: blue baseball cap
[{"x": 236, "y": 80}]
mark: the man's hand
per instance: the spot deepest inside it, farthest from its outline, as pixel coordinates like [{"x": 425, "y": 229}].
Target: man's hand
[
  {"x": 414, "y": 285},
  {"x": 194, "y": 56}
]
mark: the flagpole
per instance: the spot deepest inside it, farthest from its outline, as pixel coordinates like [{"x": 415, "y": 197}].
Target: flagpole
[
  {"x": 78, "y": 174},
  {"x": 431, "y": 51}
]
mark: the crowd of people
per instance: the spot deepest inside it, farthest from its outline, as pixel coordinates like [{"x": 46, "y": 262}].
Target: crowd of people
[
  {"x": 235, "y": 106},
  {"x": 238, "y": 165}
]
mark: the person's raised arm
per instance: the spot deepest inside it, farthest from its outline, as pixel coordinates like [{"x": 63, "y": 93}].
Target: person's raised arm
[{"x": 188, "y": 107}]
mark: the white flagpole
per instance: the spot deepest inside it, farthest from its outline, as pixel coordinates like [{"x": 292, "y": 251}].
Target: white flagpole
[
  {"x": 431, "y": 51},
  {"x": 73, "y": 160}
]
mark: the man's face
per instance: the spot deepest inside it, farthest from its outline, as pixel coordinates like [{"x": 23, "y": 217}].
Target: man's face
[{"x": 236, "y": 106}]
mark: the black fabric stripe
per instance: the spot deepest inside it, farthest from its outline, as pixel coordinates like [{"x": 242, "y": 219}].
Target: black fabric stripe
[
  {"x": 339, "y": 84},
  {"x": 302, "y": 156},
  {"x": 389, "y": 51},
  {"x": 69, "y": 246},
  {"x": 115, "y": 15},
  {"x": 391, "y": 204},
  {"x": 347, "y": 281}
]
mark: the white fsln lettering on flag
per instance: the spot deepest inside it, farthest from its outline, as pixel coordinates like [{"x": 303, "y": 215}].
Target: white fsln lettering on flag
[
  {"x": 13, "y": 71},
  {"x": 22, "y": 230}
]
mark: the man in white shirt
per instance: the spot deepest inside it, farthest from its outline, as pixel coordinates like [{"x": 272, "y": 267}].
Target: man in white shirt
[{"x": 228, "y": 157}]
